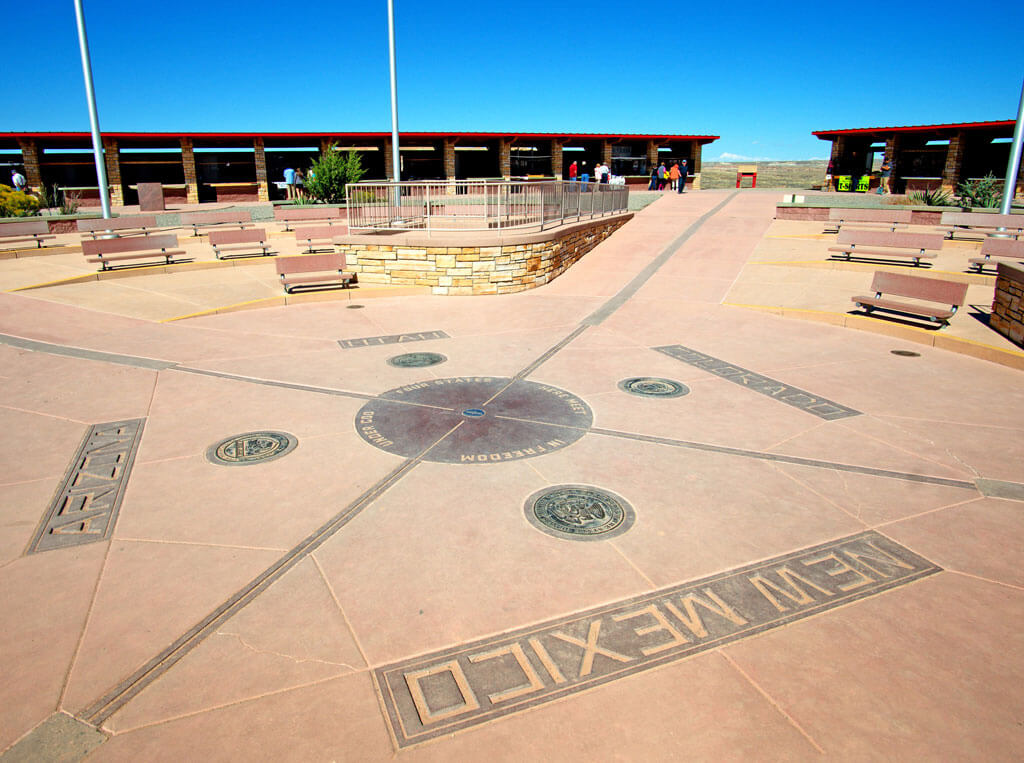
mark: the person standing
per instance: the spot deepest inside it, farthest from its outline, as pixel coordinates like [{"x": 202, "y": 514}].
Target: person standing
[
  {"x": 584, "y": 174},
  {"x": 883, "y": 183},
  {"x": 662, "y": 176},
  {"x": 653, "y": 186},
  {"x": 673, "y": 176},
  {"x": 828, "y": 174},
  {"x": 289, "y": 183},
  {"x": 18, "y": 181},
  {"x": 300, "y": 184},
  {"x": 606, "y": 173},
  {"x": 573, "y": 169},
  {"x": 684, "y": 173}
]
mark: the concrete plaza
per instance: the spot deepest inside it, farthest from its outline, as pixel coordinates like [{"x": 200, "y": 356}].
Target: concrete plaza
[{"x": 815, "y": 546}]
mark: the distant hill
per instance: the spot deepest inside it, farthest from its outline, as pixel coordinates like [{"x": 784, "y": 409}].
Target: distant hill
[{"x": 798, "y": 175}]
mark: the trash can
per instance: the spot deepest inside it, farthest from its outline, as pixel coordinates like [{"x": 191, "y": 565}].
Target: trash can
[{"x": 843, "y": 182}]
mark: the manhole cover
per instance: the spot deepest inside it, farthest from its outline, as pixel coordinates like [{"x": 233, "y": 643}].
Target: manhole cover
[
  {"x": 579, "y": 512},
  {"x": 251, "y": 448},
  {"x": 355, "y": 307},
  {"x": 906, "y": 353},
  {"x": 417, "y": 360},
  {"x": 474, "y": 420},
  {"x": 647, "y": 386}
]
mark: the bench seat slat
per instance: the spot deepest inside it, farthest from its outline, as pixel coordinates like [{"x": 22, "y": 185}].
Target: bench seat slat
[
  {"x": 38, "y": 239},
  {"x": 326, "y": 278},
  {"x": 137, "y": 256},
  {"x": 904, "y": 307},
  {"x": 855, "y": 250}
]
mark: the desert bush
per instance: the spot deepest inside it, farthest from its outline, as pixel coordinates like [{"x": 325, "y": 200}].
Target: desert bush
[
  {"x": 328, "y": 176},
  {"x": 931, "y": 198},
  {"x": 987, "y": 192},
  {"x": 17, "y": 203},
  {"x": 69, "y": 203}
]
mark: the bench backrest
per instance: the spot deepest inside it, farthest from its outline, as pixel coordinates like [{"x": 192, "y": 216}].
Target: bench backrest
[
  {"x": 1003, "y": 247},
  {"x": 916, "y": 287},
  {"x": 883, "y": 238},
  {"x": 207, "y": 218},
  {"x": 117, "y": 223},
  {"x": 307, "y": 213},
  {"x": 309, "y": 263},
  {"x": 870, "y": 215},
  {"x": 314, "y": 233},
  {"x": 24, "y": 229},
  {"x": 134, "y": 244},
  {"x": 983, "y": 219},
  {"x": 251, "y": 236}
]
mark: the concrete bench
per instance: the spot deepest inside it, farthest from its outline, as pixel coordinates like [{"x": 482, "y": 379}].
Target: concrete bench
[
  {"x": 205, "y": 220},
  {"x": 867, "y": 218},
  {"x": 981, "y": 225},
  {"x": 307, "y": 213},
  {"x": 107, "y": 251},
  {"x": 123, "y": 226},
  {"x": 937, "y": 294},
  {"x": 1000, "y": 248},
  {"x": 318, "y": 235},
  {"x": 22, "y": 233},
  {"x": 313, "y": 270},
  {"x": 880, "y": 244},
  {"x": 239, "y": 243}
]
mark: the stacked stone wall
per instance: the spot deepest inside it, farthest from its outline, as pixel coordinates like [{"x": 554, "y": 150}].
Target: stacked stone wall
[
  {"x": 500, "y": 269},
  {"x": 1008, "y": 306}
]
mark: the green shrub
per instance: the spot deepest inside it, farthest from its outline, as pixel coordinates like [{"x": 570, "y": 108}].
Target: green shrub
[
  {"x": 987, "y": 192},
  {"x": 69, "y": 204},
  {"x": 17, "y": 203},
  {"x": 327, "y": 178},
  {"x": 931, "y": 198}
]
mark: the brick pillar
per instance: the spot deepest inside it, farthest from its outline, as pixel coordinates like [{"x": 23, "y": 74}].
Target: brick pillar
[
  {"x": 449, "y": 158},
  {"x": 112, "y": 160},
  {"x": 188, "y": 164},
  {"x": 389, "y": 152},
  {"x": 556, "y": 159},
  {"x": 695, "y": 163},
  {"x": 262, "y": 186},
  {"x": 652, "y": 156},
  {"x": 30, "y": 158},
  {"x": 606, "y": 152},
  {"x": 325, "y": 143},
  {"x": 505, "y": 158},
  {"x": 954, "y": 162}
]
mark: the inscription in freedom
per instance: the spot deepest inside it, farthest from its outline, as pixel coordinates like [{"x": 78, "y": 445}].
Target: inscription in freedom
[
  {"x": 86, "y": 505},
  {"x": 794, "y": 396},
  {"x": 452, "y": 689},
  {"x": 373, "y": 341}
]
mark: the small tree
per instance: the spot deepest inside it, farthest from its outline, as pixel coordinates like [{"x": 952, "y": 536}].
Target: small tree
[
  {"x": 986, "y": 192},
  {"x": 17, "y": 203},
  {"x": 329, "y": 174}
]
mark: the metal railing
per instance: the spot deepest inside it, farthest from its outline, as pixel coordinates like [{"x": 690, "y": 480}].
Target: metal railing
[{"x": 477, "y": 205}]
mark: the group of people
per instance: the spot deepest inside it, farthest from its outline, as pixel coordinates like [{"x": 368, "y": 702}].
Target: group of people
[
  {"x": 673, "y": 178},
  {"x": 602, "y": 173},
  {"x": 884, "y": 176},
  {"x": 295, "y": 183}
]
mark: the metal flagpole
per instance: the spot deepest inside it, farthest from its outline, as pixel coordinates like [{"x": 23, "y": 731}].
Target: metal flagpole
[
  {"x": 1011, "y": 168},
  {"x": 396, "y": 162},
  {"x": 94, "y": 120}
]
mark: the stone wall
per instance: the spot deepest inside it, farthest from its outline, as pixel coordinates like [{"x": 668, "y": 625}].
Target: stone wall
[
  {"x": 1008, "y": 306},
  {"x": 474, "y": 263}
]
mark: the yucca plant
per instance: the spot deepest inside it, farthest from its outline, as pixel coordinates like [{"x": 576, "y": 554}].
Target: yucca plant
[
  {"x": 987, "y": 192},
  {"x": 932, "y": 198}
]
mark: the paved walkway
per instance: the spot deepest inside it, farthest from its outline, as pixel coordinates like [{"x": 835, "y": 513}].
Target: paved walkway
[{"x": 816, "y": 550}]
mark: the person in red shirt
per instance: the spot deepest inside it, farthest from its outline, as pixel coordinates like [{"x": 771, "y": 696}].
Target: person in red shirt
[{"x": 572, "y": 171}]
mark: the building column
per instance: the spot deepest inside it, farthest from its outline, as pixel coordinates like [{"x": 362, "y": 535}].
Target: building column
[
  {"x": 606, "y": 152},
  {"x": 188, "y": 164},
  {"x": 30, "y": 159},
  {"x": 556, "y": 159},
  {"x": 112, "y": 160},
  {"x": 389, "y": 152},
  {"x": 652, "y": 155},
  {"x": 695, "y": 154},
  {"x": 262, "y": 186},
  {"x": 505, "y": 158},
  {"x": 449, "y": 158},
  {"x": 954, "y": 162},
  {"x": 325, "y": 143}
]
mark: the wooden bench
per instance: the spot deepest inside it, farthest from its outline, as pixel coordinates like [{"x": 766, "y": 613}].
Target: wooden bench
[
  {"x": 306, "y": 213},
  {"x": 999, "y": 248},
  {"x": 867, "y": 218},
  {"x": 881, "y": 244},
  {"x": 318, "y": 235},
  {"x": 106, "y": 251},
  {"x": 240, "y": 243},
  {"x": 313, "y": 270},
  {"x": 206, "y": 220},
  {"x": 981, "y": 225},
  {"x": 23, "y": 233},
  {"x": 124, "y": 226},
  {"x": 930, "y": 290}
]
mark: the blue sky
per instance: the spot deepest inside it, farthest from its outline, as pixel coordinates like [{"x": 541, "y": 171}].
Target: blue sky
[{"x": 761, "y": 75}]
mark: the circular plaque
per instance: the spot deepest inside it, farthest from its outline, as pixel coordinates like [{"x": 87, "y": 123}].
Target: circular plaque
[
  {"x": 579, "y": 512},
  {"x": 647, "y": 386},
  {"x": 251, "y": 448}
]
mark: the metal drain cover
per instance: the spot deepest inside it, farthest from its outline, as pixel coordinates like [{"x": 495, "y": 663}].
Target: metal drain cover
[
  {"x": 906, "y": 353},
  {"x": 579, "y": 512},
  {"x": 647, "y": 386},
  {"x": 416, "y": 360},
  {"x": 251, "y": 448}
]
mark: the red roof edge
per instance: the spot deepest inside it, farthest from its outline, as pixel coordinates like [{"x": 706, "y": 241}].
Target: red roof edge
[{"x": 823, "y": 134}]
